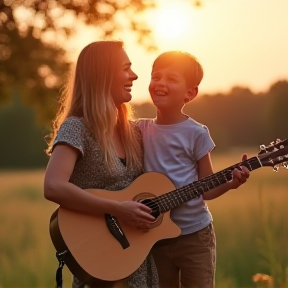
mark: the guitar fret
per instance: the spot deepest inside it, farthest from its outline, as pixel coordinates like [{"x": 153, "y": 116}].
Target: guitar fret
[
  {"x": 191, "y": 191},
  {"x": 177, "y": 199}
]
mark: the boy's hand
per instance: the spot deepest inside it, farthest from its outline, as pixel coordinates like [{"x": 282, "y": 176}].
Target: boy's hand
[{"x": 239, "y": 177}]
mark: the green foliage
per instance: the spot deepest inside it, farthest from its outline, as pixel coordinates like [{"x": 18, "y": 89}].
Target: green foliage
[
  {"x": 17, "y": 250},
  {"x": 32, "y": 68},
  {"x": 276, "y": 109},
  {"x": 271, "y": 247},
  {"x": 21, "y": 140},
  {"x": 106, "y": 15}
]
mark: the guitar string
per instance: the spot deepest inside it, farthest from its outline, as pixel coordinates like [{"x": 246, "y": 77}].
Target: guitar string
[
  {"x": 222, "y": 177},
  {"x": 162, "y": 199}
]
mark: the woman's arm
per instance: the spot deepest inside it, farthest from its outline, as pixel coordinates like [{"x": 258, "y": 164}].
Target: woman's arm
[{"x": 58, "y": 189}]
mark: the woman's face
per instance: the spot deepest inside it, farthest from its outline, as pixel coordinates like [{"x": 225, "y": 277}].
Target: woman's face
[{"x": 122, "y": 80}]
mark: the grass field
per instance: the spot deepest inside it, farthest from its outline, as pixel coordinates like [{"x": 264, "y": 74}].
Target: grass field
[{"x": 250, "y": 225}]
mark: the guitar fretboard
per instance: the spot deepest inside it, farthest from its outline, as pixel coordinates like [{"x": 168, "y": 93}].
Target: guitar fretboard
[{"x": 193, "y": 190}]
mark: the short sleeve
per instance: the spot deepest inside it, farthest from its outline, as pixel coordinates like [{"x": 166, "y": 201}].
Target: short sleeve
[
  {"x": 203, "y": 144},
  {"x": 71, "y": 133}
]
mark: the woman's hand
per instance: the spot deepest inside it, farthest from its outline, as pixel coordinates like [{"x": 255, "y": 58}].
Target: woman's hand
[{"x": 135, "y": 214}]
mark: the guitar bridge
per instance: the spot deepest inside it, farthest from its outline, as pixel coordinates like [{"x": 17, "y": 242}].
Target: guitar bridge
[{"x": 116, "y": 231}]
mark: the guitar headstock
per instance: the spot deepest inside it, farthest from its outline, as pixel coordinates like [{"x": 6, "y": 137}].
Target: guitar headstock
[{"x": 274, "y": 154}]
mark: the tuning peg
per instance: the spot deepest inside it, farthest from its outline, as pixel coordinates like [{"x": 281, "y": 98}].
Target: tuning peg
[
  {"x": 276, "y": 168},
  {"x": 263, "y": 147},
  {"x": 285, "y": 165}
]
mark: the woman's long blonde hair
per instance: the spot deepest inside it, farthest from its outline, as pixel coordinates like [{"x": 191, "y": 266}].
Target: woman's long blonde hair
[{"x": 88, "y": 96}]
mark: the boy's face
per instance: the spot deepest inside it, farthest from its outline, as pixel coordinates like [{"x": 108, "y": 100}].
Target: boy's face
[{"x": 168, "y": 88}]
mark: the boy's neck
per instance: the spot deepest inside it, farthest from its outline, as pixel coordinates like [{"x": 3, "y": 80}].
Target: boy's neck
[{"x": 166, "y": 119}]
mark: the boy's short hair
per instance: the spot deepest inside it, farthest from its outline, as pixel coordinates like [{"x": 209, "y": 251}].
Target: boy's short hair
[{"x": 187, "y": 64}]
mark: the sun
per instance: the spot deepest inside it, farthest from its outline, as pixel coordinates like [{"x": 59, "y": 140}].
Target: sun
[{"x": 171, "y": 21}]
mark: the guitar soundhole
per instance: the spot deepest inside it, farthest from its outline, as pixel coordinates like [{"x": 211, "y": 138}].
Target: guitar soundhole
[{"x": 151, "y": 204}]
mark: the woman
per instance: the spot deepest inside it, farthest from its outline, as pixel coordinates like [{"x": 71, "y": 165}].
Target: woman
[{"x": 95, "y": 145}]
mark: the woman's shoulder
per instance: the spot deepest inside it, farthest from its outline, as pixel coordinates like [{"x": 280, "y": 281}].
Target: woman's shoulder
[
  {"x": 71, "y": 132},
  {"x": 73, "y": 120},
  {"x": 73, "y": 123},
  {"x": 72, "y": 128}
]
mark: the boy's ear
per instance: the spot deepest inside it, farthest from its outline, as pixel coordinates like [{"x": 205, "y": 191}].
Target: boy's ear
[{"x": 191, "y": 94}]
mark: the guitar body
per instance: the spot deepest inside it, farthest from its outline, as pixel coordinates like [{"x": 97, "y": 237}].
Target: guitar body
[{"x": 96, "y": 256}]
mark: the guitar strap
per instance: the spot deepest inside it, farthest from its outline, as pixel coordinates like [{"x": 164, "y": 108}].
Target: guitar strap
[{"x": 59, "y": 278}]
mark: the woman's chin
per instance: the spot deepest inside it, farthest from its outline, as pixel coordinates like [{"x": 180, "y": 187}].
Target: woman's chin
[{"x": 127, "y": 97}]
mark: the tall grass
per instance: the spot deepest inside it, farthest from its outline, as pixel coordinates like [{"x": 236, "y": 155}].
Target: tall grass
[
  {"x": 27, "y": 254},
  {"x": 250, "y": 225},
  {"x": 251, "y": 229}
]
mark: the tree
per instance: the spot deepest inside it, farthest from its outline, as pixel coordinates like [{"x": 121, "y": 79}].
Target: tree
[
  {"x": 22, "y": 142},
  {"x": 276, "y": 107},
  {"x": 109, "y": 16},
  {"x": 32, "y": 69},
  {"x": 36, "y": 68}
]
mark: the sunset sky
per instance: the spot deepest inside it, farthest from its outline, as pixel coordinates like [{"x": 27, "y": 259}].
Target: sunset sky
[{"x": 238, "y": 42}]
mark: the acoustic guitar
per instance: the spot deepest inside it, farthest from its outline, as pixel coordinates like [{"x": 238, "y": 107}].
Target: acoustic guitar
[{"x": 98, "y": 250}]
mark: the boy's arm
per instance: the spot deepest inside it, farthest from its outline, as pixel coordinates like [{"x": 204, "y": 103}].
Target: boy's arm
[{"x": 205, "y": 169}]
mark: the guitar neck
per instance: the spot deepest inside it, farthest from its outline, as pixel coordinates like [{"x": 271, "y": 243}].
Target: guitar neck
[{"x": 193, "y": 190}]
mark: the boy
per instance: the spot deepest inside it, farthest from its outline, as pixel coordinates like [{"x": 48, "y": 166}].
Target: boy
[{"x": 179, "y": 147}]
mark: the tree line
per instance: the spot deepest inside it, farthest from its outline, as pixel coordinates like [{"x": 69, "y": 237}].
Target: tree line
[{"x": 236, "y": 119}]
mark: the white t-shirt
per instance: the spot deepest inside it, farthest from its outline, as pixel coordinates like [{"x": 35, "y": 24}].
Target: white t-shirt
[{"x": 174, "y": 151}]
